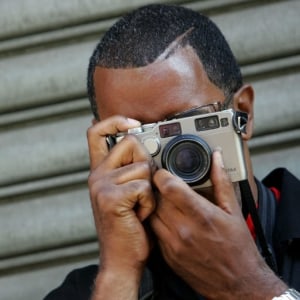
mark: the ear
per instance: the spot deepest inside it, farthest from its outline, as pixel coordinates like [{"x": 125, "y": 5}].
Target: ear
[{"x": 243, "y": 100}]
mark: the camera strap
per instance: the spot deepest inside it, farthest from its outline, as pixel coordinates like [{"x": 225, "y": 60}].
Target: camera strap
[{"x": 248, "y": 207}]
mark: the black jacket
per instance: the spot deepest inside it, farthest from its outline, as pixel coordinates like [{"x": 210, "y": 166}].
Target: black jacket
[{"x": 286, "y": 236}]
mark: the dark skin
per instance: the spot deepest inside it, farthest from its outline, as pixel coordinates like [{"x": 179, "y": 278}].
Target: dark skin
[{"x": 205, "y": 241}]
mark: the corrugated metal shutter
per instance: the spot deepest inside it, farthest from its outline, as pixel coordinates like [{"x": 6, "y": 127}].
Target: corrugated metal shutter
[{"x": 46, "y": 226}]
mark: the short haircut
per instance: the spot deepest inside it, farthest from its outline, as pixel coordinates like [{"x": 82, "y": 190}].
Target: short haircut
[{"x": 139, "y": 37}]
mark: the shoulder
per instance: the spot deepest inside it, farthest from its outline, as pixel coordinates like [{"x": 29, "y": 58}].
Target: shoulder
[{"x": 282, "y": 179}]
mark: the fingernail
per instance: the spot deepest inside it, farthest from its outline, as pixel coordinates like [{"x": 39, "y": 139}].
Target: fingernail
[
  {"x": 133, "y": 122},
  {"x": 219, "y": 157}
]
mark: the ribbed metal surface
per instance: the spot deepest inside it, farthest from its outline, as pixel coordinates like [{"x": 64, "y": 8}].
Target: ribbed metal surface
[{"x": 46, "y": 225}]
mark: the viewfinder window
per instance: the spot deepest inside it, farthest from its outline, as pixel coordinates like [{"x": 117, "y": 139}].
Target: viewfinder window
[
  {"x": 171, "y": 129},
  {"x": 207, "y": 123}
]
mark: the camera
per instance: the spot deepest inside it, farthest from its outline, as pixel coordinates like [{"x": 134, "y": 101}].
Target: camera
[{"x": 184, "y": 146}]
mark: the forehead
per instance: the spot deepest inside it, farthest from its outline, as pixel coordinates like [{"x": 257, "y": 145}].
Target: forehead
[{"x": 160, "y": 89}]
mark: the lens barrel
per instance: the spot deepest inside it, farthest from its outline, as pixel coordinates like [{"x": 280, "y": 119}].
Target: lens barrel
[{"x": 188, "y": 157}]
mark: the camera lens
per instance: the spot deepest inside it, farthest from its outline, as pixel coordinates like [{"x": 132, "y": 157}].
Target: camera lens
[{"x": 188, "y": 157}]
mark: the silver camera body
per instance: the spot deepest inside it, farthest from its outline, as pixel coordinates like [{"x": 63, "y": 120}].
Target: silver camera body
[{"x": 184, "y": 146}]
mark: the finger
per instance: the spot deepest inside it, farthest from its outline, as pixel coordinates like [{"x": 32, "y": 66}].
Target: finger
[
  {"x": 139, "y": 196},
  {"x": 146, "y": 202},
  {"x": 139, "y": 170},
  {"x": 97, "y": 134},
  {"x": 136, "y": 171},
  {"x": 170, "y": 227},
  {"x": 176, "y": 202},
  {"x": 128, "y": 160},
  {"x": 160, "y": 228},
  {"x": 175, "y": 191},
  {"x": 134, "y": 197},
  {"x": 129, "y": 150},
  {"x": 224, "y": 193}
]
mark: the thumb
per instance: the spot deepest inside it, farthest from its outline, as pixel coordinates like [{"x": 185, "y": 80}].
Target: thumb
[{"x": 224, "y": 193}]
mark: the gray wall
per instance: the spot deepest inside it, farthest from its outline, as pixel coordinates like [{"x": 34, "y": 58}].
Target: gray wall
[{"x": 46, "y": 226}]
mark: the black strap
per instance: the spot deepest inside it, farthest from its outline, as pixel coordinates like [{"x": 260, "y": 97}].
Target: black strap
[
  {"x": 267, "y": 212},
  {"x": 250, "y": 208}
]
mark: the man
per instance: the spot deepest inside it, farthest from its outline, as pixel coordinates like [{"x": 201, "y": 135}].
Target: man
[{"x": 159, "y": 238}]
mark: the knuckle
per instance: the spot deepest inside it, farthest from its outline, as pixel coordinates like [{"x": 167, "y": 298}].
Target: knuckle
[
  {"x": 169, "y": 186},
  {"x": 147, "y": 187},
  {"x": 105, "y": 202},
  {"x": 185, "y": 234},
  {"x": 94, "y": 179},
  {"x": 207, "y": 220},
  {"x": 140, "y": 187},
  {"x": 90, "y": 132},
  {"x": 91, "y": 179},
  {"x": 98, "y": 187},
  {"x": 95, "y": 195},
  {"x": 177, "y": 249},
  {"x": 95, "y": 192},
  {"x": 146, "y": 169}
]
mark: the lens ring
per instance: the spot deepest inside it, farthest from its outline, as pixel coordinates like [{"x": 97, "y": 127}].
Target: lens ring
[{"x": 188, "y": 157}]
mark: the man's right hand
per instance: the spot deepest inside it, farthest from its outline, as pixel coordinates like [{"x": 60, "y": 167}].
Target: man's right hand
[{"x": 122, "y": 198}]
